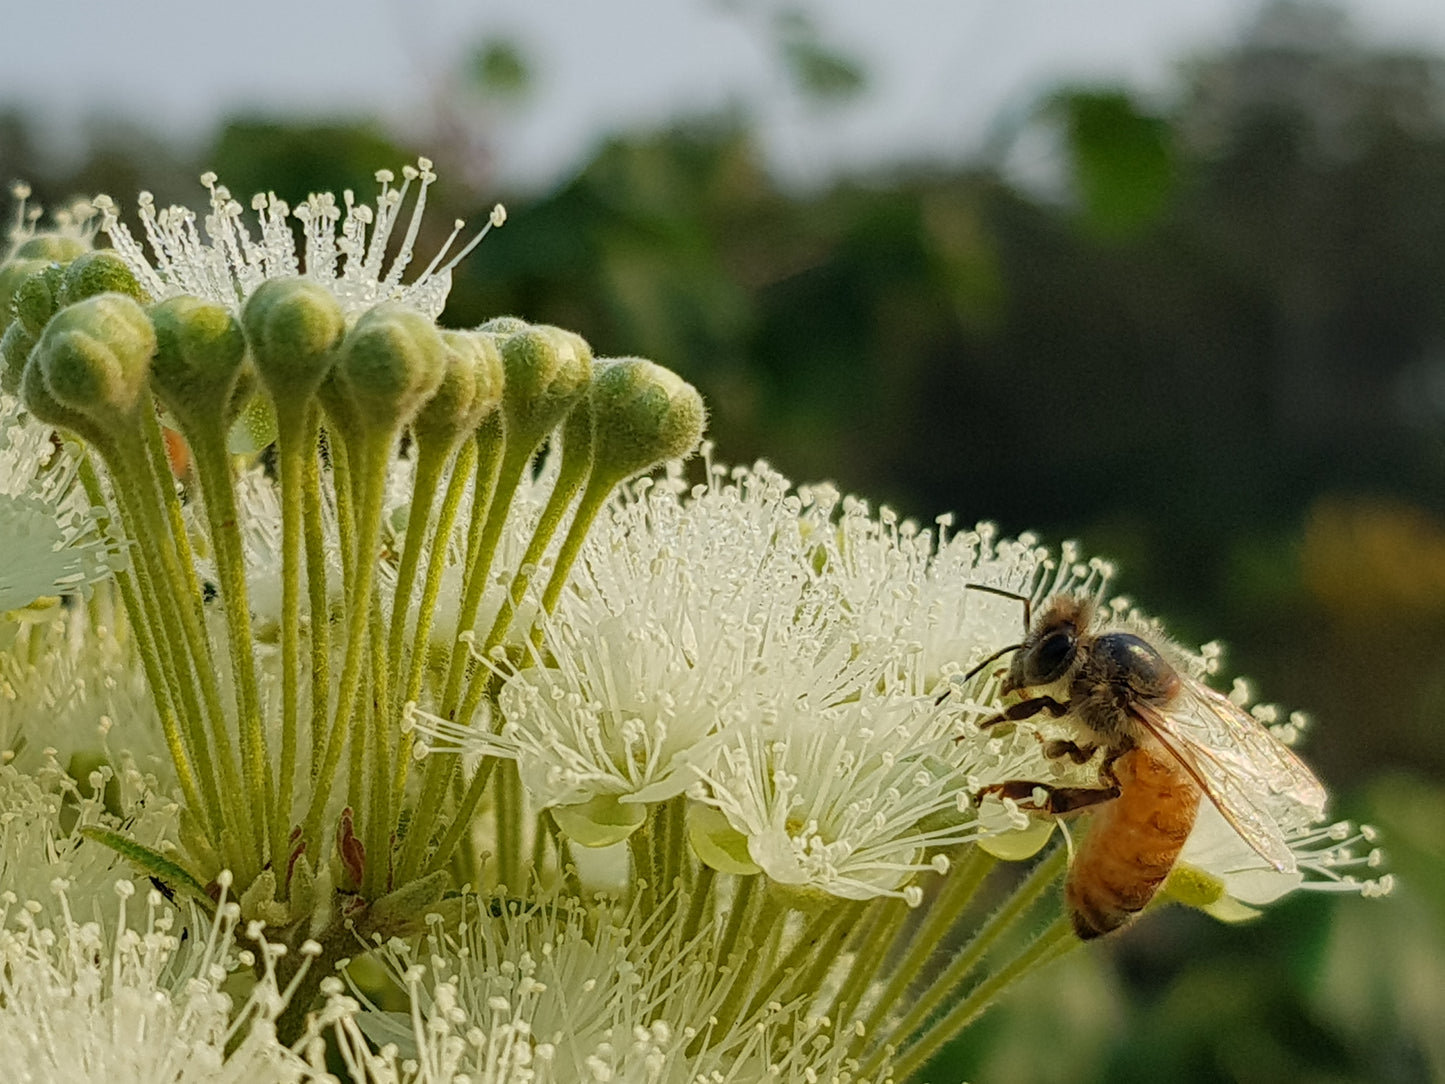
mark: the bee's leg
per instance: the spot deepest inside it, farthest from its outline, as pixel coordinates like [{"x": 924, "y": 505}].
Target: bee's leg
[
  {"x": 1027, "y": 709},
  {"x": 1061, "y": 747},
  {"x": 1056, "y": 800}
]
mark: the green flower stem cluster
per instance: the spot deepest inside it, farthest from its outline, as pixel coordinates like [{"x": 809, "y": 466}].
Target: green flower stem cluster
[{"x": 92, "y": 356}]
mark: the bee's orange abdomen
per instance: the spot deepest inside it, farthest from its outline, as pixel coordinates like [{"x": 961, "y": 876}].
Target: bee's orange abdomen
[{"x": 1133, "y": 842}]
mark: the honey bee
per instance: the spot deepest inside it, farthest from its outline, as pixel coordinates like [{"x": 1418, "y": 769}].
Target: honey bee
[{"x": 1166, "y": 741}]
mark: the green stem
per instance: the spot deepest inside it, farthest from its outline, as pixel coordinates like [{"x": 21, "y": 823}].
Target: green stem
[
  {"x": 435, "y": 783},
  {"x": 318, "y": 600},
  {"x": 178, "y": 613},
  {"x": 165, "y": 482},
  {"x": 1052, "y": 942},
  {"x": 509, "y": 813},
  {"x": 140, "y": 628},
  {"x": 814, "y": 947},
  {"x": 214, "y": 470},
  {"x": 594, "y": 497},
  {"x": 462, "y": 819},
  {"x": 466, "y": 461},
  {"x": 943, "y": 988},
  {"x": 384, "y": 725},
  {"x": 376, "y": 452},
  {"x": 957, "y": 891},
  {"x": 644, "y": 866},
  {"x": 489, "y": 515},
  {"x": 430, "y": 462},
  {"x": 294, "y": 443},
  {"x": 765, "y": 913},
  {"x": 553, "y": 512},
  {"x": 699, "y": 898},
  {"x": 865, "y": 949}
]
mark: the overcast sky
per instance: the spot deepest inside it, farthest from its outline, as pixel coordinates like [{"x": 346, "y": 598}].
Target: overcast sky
[{"x": 941, "y": 70}]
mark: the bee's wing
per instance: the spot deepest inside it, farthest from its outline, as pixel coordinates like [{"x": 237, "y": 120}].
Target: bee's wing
[{"x": 1236, "y": 761}]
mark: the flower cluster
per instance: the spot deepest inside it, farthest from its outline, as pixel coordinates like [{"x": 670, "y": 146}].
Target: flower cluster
[{"x": 384, "y": 644}]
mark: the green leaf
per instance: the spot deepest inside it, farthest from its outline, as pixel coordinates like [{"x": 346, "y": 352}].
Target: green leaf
[{"x": 171, "y": 878}]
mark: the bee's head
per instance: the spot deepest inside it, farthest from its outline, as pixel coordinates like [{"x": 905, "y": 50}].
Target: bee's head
[{"x": 1051, "y": 646}]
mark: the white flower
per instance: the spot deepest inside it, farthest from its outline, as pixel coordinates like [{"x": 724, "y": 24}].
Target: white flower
[
  {"x": 41, "y": 815},
  {"x": 71, "y": 684},
  {"x": 554, "y": 991},
  {"x": 681, "y": 611},
  {"x": 47, "y": 532},
  {"x": 852, "y": 799},
  {"x": 132, "y": 1002},
  {"x": 222, "y": 260}
]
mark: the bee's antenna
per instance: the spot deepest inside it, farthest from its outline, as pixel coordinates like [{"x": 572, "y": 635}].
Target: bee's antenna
[
  {"x": 1000, "y": 653},
  {"x": 1003, "y": 592}
]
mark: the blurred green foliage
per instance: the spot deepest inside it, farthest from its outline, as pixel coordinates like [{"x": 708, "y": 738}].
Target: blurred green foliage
[{"x": 1211, "y": 343}]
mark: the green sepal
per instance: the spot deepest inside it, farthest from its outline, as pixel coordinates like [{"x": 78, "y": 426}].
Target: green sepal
[
  {"x": 403, "y": 912},
  {"x": 152, "y": 863},
  {"x": 258, "y": 901},
  {"x": 600, "y": 821},
  {"x": 546, "y": 371}
]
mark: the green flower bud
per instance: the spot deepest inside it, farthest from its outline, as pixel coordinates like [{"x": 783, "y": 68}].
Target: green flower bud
[
  {"x": 491, "y": 376},
  {"x": 451, "y": 413},
  {"x": 52, "y": 248},
  {"x": 293, "y": 328},
  {"x": 95, "y": 357},
  {"x": 98, "y": 273},
  {"x": 391, "y": 363},
  {"x": 36, "y": 298},
  {"x": 12, "y": 274},
  {"x": 44, "y": 406},
  {"x": 504, "y": 326},
  {"x": 642, "y": 414},
  {"x": 200, "y": 357},
  {"x": 15, "y": 347},
  {"x": 546, "y": 370}
]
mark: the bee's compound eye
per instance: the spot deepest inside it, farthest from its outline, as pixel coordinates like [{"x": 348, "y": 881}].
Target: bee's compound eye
[{"x": 1051, "y": 656}]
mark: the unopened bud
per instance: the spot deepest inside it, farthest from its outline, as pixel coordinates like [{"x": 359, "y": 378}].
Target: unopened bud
[
  {"x": 38, "y": 400},
  {"x": 94, "y": 273},
  {"x": 546, "y": 371},
  {"x": 15, "y": 347},
  {"x": 504, "y": 326},
  {"x": 642, "y": 414},
  {"x": 451, "y": 413},
  {"x": 293, "y": 328},
  {"x": 52, "y": 248},
  {"x": 390, "y": 364},
  {"x": 12, "y": 274},
  {"x": 94, "y": 358},
  {"x": 200, "y": 356},
  {"x": 37, "y": 297}
]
